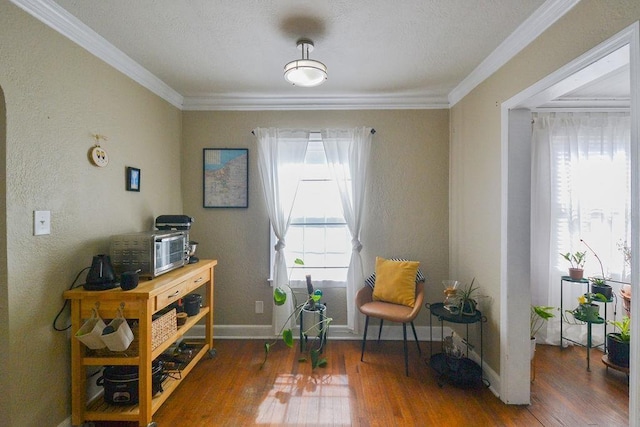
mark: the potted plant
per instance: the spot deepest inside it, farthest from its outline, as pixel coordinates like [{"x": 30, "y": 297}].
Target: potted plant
[
  {"x": 587, "y": 310},
  {"x": 599, "y": 284},
  {"x": 467, "y": 300},
  {"x": 311, "y": 304},
  {"x": 576, "y": 260},
  {"x": 539, "y": 315},
  {"x": 618, "y": 342}
]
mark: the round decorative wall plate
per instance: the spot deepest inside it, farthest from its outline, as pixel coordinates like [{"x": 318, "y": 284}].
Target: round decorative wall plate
[{"x": 99, "y": 156}]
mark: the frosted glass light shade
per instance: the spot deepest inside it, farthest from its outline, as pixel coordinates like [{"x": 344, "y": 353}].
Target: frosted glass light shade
[{"x": 305, "y": 72}]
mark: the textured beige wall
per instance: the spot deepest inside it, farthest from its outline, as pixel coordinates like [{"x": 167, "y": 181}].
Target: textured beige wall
[
  {"x": 56, "y": 95},
  {"x": 407, "y": 199},
  {"x": 475, "y": 145}
]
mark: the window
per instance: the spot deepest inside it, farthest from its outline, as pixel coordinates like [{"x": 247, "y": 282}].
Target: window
[
  {"x": 591, "y": 183},
  {"x": 318, "y": 232},
  {"x": 580, "y": 190}
]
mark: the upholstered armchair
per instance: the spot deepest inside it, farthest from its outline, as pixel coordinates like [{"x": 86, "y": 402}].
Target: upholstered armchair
[{"x": 399, "y": 302}]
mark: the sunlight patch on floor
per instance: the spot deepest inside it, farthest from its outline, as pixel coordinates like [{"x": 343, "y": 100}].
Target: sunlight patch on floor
[{"x": 307, "y": 399}]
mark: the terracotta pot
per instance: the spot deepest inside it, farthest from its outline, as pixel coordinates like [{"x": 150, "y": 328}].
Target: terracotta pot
[{"x": 576, "y": 273}]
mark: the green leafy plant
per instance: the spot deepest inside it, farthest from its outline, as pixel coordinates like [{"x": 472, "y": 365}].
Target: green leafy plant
[
  {"x": 539, "y": 315},
  {"x": 310, "y": 302},
  {"x": 576, "y": 260},
  {"x": 467, "y": 299},
  {"x": 583, "y": 312},
  {"x": 589, "y": 297},
  {"x": 623, "y": 327}
]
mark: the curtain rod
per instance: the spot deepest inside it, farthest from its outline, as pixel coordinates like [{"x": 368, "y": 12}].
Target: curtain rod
[{"x": 373, "y": 131}]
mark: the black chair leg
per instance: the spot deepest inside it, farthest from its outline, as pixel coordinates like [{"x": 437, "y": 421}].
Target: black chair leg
[
  {"x": 380, "y": 330},
  {"x": 406, "y": 352},
  {"x": 364, "y": 337},
  {"x": 416, "y": 337}
]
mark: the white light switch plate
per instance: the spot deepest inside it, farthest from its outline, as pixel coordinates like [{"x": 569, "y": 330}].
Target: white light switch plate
[{"x": 41, "y": 223}]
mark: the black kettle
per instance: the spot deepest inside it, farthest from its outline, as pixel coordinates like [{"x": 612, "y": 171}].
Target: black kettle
[{"x": 101, "y": 275}]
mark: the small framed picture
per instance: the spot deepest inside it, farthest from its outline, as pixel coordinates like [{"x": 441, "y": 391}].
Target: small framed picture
[{"x": 133, "y": 179}]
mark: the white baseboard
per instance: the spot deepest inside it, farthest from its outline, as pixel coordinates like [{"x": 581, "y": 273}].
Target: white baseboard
[{"x": 336, "y": 332}]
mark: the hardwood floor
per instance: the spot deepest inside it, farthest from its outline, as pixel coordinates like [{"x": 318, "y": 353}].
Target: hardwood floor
[{"x": 232, "y": 390}]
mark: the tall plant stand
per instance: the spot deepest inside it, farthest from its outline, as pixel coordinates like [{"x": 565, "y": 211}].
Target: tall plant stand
[
  {"x": 600, "y": 321},
  {"x": 319, "y": 316}
]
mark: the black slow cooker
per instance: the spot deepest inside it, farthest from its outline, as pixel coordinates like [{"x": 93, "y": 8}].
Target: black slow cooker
[{"x": 121, "y": 383}]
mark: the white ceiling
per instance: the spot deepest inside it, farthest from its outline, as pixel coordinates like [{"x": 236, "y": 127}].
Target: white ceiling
[{"x": 230, "y": 54}]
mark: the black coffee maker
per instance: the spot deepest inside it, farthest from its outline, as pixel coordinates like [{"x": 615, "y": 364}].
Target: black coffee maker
[{"x": 101, "y": 275}]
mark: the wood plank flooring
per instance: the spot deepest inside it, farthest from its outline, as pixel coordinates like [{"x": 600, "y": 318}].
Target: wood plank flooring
[{"x": 232, "y": 390}]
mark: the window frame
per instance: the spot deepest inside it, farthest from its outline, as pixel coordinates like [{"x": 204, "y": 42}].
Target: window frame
[{"x": 300, "y": 282}]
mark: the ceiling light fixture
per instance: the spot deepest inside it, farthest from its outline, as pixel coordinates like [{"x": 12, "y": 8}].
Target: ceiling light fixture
[{"x": 305, "y": 72}]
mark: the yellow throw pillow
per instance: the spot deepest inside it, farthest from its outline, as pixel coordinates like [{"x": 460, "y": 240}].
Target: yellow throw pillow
[{"x": 396, "y": 281}]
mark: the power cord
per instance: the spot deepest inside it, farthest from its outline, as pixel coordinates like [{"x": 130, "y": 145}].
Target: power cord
[{"x": 73, "y": 285}]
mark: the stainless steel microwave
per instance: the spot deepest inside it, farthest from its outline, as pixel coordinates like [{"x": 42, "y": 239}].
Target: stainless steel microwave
[{"x": 151, "y": 252}]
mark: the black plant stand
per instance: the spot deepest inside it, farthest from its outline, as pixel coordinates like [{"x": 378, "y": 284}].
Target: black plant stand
[
  {"x": 321, "y": 311},
  {"x": 461, "y": 372}
]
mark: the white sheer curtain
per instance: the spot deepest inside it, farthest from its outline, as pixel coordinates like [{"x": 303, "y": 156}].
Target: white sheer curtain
[
  {"x": 280, "y": 160},
  {"x": 347, "y": 154},
  {"x": 580, "y": 190}
]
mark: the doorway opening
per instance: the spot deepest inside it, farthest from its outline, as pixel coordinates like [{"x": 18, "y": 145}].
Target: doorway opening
[{"x": 516, "y": 203}]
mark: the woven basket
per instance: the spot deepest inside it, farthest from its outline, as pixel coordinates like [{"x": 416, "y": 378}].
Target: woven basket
[{"x": 163, "y": 327}]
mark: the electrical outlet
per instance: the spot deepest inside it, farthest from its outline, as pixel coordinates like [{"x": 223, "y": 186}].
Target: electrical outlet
[
  {"x": 259, "y": 307},
  {"x": 41, "y": 222}
]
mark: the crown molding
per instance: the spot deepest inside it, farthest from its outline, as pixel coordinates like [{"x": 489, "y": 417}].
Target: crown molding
[
  {"x": 238, "y": 102},
  {"x": 545, "y": 16},
  {"x": 60, "y": 20},
  {"x": 51, "y": 14}
]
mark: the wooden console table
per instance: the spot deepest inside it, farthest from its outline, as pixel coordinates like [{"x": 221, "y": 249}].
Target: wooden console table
[{"x": 139, "y": 303}]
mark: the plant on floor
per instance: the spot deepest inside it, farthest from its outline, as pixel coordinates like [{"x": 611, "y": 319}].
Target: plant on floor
[
  {"x": 311, "y": 304},
  {"x": 623, "y": 328},
  {"x": 618, "y": 342},
  {"x": 539, "y": 315}
]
